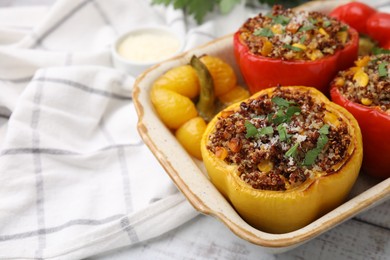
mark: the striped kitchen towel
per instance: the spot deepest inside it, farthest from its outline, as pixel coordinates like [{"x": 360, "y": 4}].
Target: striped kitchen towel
[{"x": 75, "y": 177}]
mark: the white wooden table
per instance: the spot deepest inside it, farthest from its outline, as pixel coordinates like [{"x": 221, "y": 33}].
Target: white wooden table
[{"x": 366, "y": 236}]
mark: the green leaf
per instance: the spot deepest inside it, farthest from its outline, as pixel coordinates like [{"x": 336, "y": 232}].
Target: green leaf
[
  {"x": 251, "y": 130},
  {"x": 281, "y": 102},
  {"x": 377, "y": 51},
  {"x": 303, "y": 39},
  {"x": 292, "y": 152},
  {"x": 306, "y": 28},
  {"x": 265, "y": 32},
  {"x": 283, "y": 135},
  {"x": 326, "y": 23},
  {"x": 265, "y": 131},
  {"x": 311, "y": 157},
  {"x": 199, "y": 8},
  {"x": 293, "y": 48},
  {"x": 324, "y": 130},
  {"x": 382, "y": 69},
  {"x": 225, "y": 6},
  {"x": 281, "y": 19},
  {"x": 164, "y": 2},
  {"x": 293, "y": 110}
]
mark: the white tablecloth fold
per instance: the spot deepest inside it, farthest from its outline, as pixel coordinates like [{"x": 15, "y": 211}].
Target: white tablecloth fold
[{"x": 76, "y": 179}]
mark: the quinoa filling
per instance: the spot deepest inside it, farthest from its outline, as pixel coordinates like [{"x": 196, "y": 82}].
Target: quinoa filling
[
  {"x": 279, "y": 141},
  {"x": 368, "y": 83},
  {"x": 289, "y": 35}
]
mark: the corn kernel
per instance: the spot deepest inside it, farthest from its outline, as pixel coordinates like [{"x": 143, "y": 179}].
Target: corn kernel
[
  {"x": 277, "y": 29},
  {"x": 366, "y": 101},
  {"x": 361, "y": 78},
  {"x": 300, "y": 46},
  {"x": 362, "y": 61},
  {"x": 323, "y": 32},
  {"x": 221, "y": 153},
  {"x": 315, "y": 55},
  {"x": 342, "y": 36},
  {"x": 339, "y": 82},
  {"x": 265, "y": 166},
  {"x": 267, "y": 48}
]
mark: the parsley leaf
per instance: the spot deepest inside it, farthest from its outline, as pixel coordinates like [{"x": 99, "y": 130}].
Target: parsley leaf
[
  {"x": 322, "y": 140},
  {"x": 265, "y": 131},
  {"x": 283, "y": 135},
  {"x": 326, "y": 23},
  {"x": 225, "y": 6},
  {"x": 377, "y": 51},
  {"x": 382, "y": 69},
  {"x": 293, "y": 151},
  {"x": 324, "y": 130},
  {"x": 293, "y": 48},
  {"x": 281, "y": 19},
  {"x": 251, "y": 130},
  {"x": 306, "y": 28},
  {"x": 265, "y": 32},
  {"x": 281, "y": 102}
]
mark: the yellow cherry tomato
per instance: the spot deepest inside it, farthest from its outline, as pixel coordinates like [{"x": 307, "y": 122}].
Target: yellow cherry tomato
[
  {"x": 190, "y": 134},
  {"x": 222, "y": 73},
  {"x": 173, "y": 109},
  {"x": 182, "y": 80}
]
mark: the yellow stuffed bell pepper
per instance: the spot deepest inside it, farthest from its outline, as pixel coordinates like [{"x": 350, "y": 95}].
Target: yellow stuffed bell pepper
[{"x": 283, "y": 157}]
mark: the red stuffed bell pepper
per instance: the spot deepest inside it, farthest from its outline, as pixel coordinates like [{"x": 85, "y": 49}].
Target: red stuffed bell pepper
[
  {"x": 293, "y": 48},
  {"x": 364, "y": 91},
  {"x": 366, "y": 20}
]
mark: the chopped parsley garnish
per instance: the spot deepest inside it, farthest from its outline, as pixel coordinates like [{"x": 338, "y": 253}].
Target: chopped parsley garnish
[
  {"x": 293, "y": 48},
  {"x": 382, "y": 69},
  {"x": 265, "y": 130},
  {"x": 326, "y": 23},
  {"x": 306, "y": 28},
  {"x": 312, "y": 155},
  {"x": 293, "y": 151},
  {"x": 281, "y": 19},
  {"x": 281, "y": 102},
  {"x": 265, "y": 32},
  {"x": 377, "y": 51},
  {"x": 252, "y": 131},
  {"x": 283, "y": 115},
  {"x": 283, "y": 135}
]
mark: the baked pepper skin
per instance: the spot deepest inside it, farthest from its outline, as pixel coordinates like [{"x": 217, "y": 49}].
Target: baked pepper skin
[
  {"x": 375, "y": 127},
  {"x": 261, "y": 72},
  {"x": 366, "y": 21},
  {"x": 289, "y": 210}
]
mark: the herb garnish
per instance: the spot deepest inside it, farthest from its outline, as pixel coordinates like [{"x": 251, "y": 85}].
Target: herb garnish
[
  {"x": 281, "y": 19},
  {"x": 306, "y": 28},
  {"x": 322, "y": 140},
  {"x": 286, "y": 111},
  {"x": 382, "y": 69},
  {"x": 292, "y": 152},
  {"x": 326, "y": 23},
  {"x": 252, "y": 131},
  {"x": 283, "y": 135},
  {"x": 293, "y": 48},
  {"x": 265, "y": 32}
]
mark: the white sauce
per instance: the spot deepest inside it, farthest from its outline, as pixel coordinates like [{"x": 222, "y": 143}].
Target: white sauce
[{"x": 148, "y": 46}]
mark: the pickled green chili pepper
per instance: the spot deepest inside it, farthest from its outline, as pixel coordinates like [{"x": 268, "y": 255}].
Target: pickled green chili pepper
[{"x": 206, "y": 102}]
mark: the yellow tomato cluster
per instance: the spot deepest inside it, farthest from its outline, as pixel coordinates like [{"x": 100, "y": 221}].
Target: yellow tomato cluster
[{"x": 174, "y": 95}]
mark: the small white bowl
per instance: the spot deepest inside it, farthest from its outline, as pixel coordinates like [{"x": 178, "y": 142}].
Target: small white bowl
[{"x": 135, "y": 60}]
